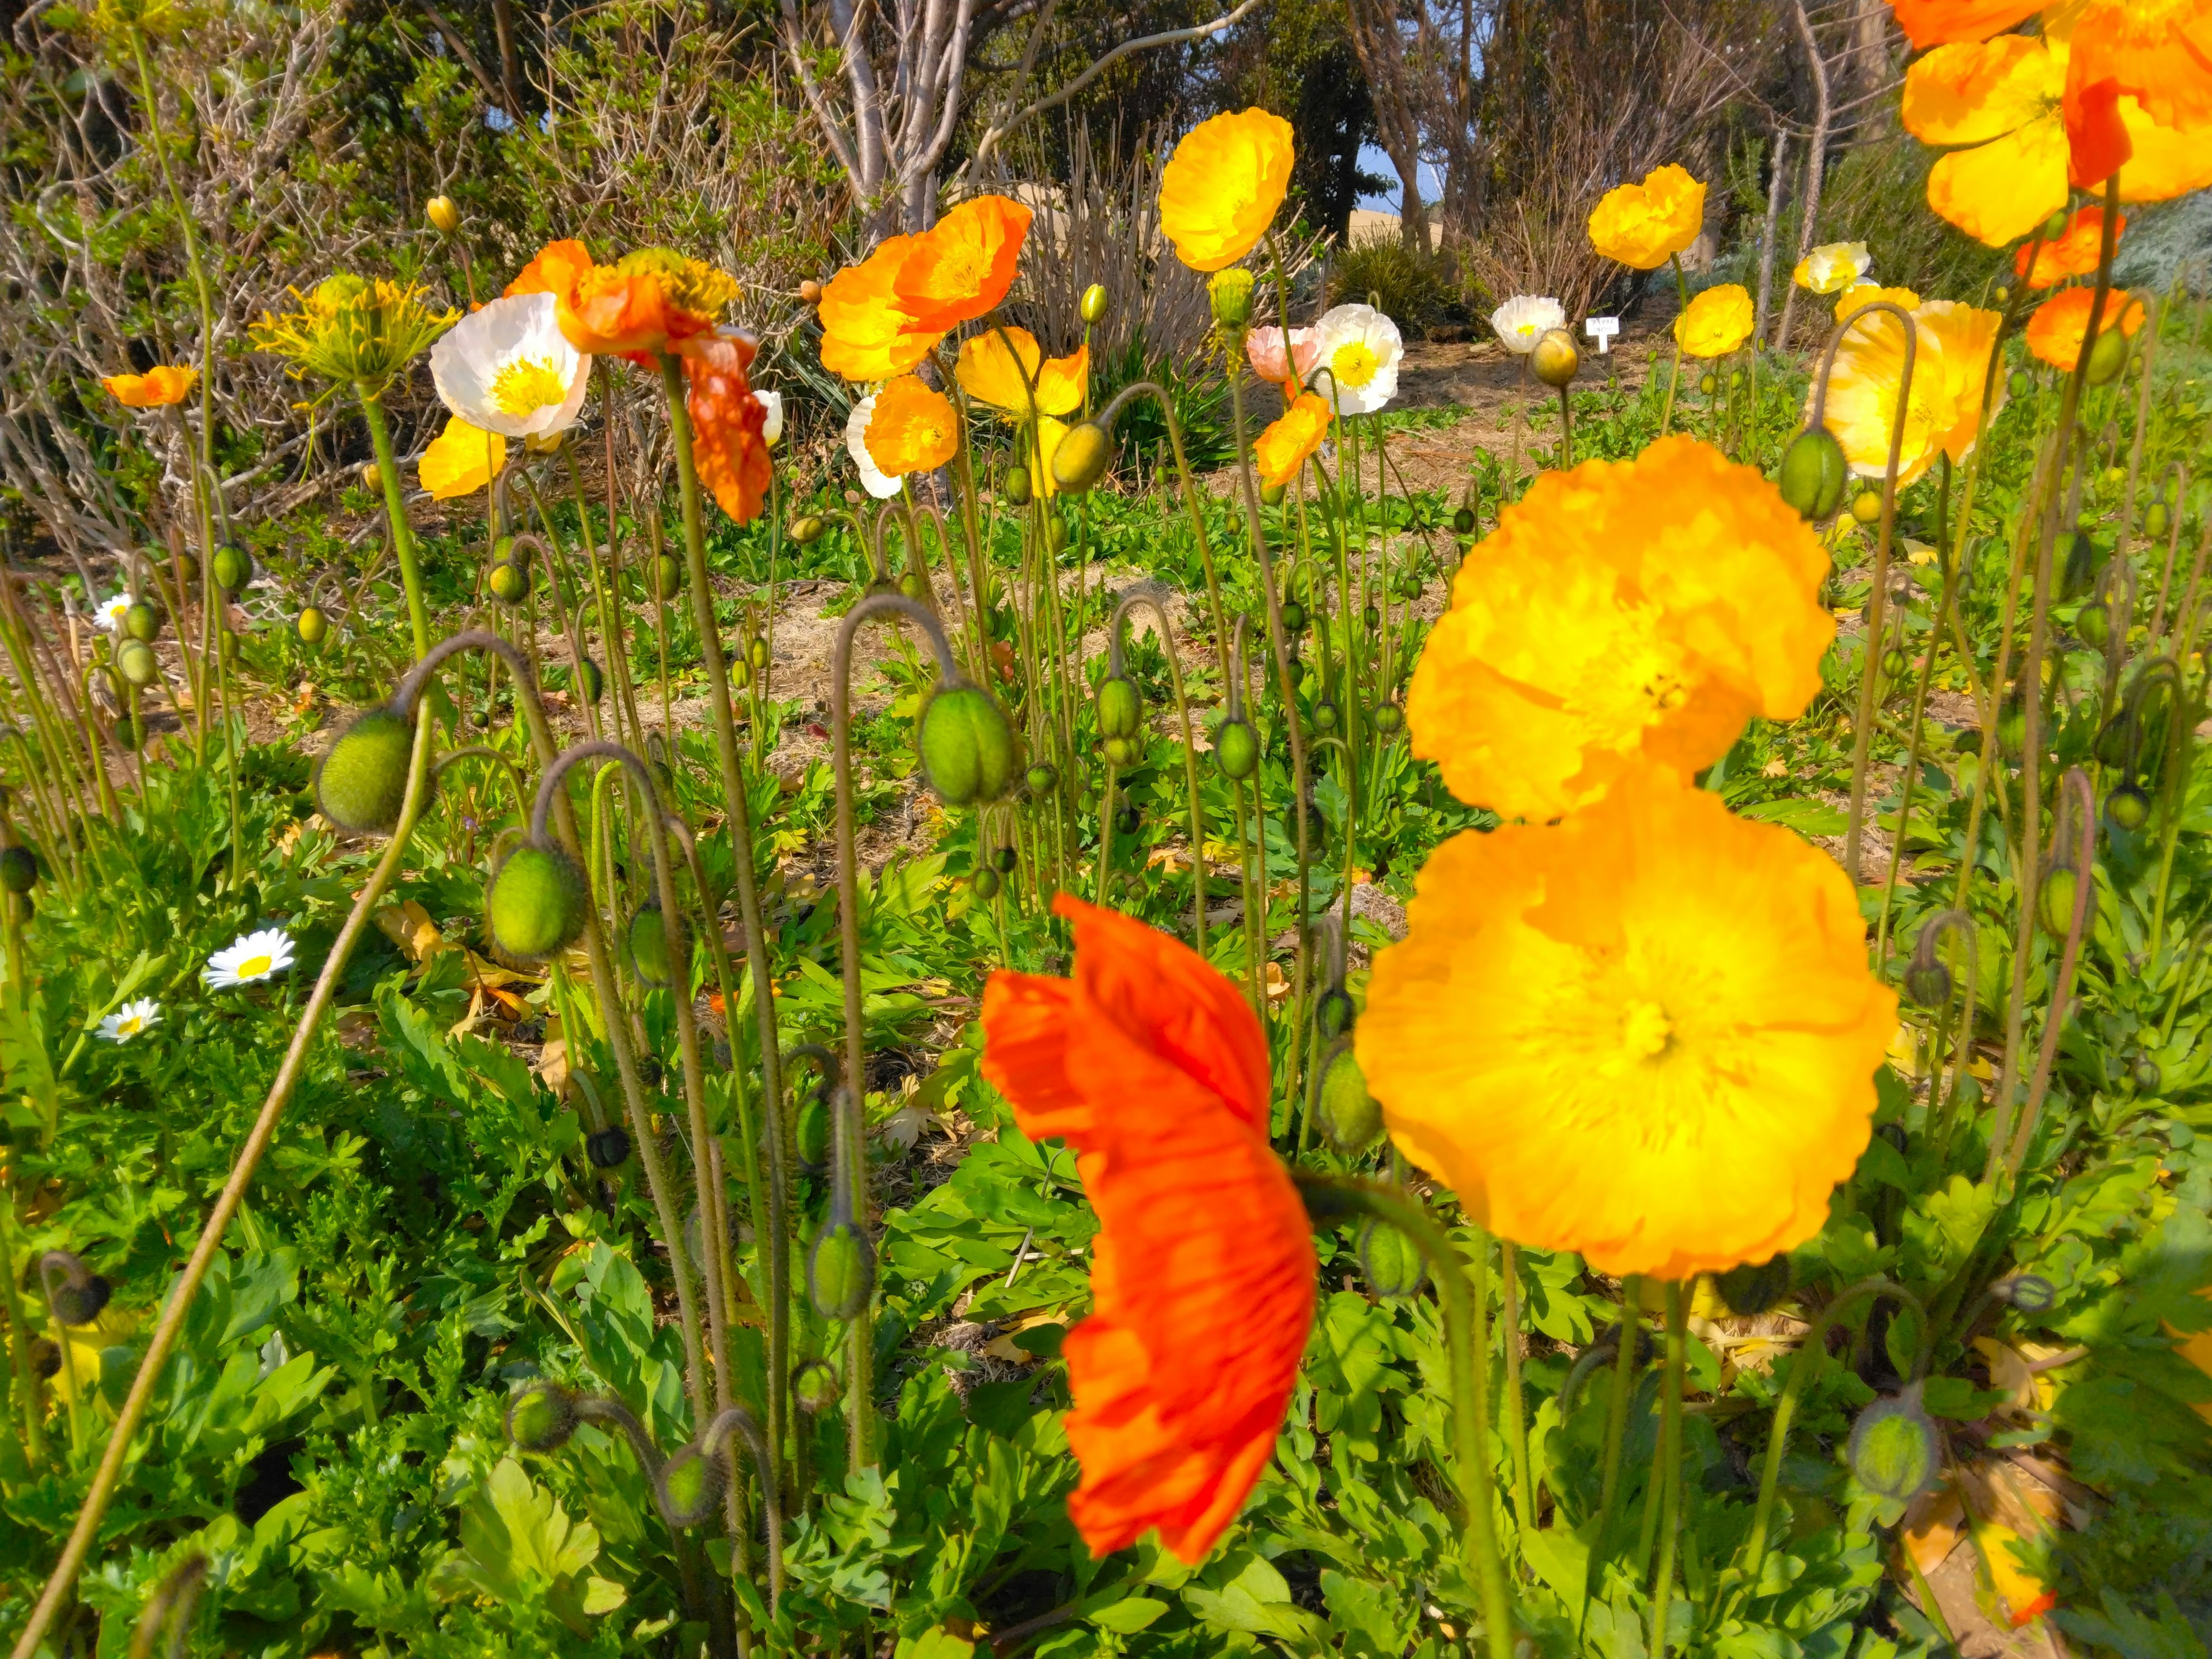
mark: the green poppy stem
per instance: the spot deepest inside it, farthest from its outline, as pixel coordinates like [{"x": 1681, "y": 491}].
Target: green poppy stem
[{"x": 1668, "y": 1472}]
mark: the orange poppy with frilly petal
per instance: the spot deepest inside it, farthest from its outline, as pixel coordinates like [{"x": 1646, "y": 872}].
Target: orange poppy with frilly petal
[
  {"x": 2157, "y": 51},
  {"x": 553, "y": 270},
  {"x": 729, "y": 448},
  {"x": 1288, "y": 442},
  {"x": 866, "y": 335},
  {"x": 1007, "y": 368},
  {"x": 2074, "y": 253},
  {"x": 646, "y": 303},
  {"x": 2056, "y": 331},
  {"x": 962, "y": 265},
  {"x": 1151, "y": 1065},
  {"x": 914, "y": 427}
]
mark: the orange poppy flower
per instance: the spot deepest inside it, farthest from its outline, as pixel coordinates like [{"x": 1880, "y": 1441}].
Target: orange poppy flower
[
  {"x": 867, "y": 335},
  {"x": 2073, "y": 253},
  {"x": 2055, "y": 333},
  {"x": 553, "y": 270},
  {"x": 729, "y": 448},
  {"x": 645, "y": 303},
  {"x": 1285, "y": 446},
  {"x": 1007, "y": 370},
  {"x": 914, "y": 427},
  {"x": 962, "y": 265},
  {"x": 2157, "y": 51},
  {"x": 1938, "y": 22},
  {"x": 159, "y": 387},
  {"x": 1153, "y": 1067}
]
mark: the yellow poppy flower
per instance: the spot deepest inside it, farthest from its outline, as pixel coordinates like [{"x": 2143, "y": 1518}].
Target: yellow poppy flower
[
  {"x": 1642, "y": 225},
  {"x": 460, "y": 460},
  {"x": 157, "y": 388},
  {"x": 1287, "y": 443},
  {"x": 993, "y": 371},
  {"x": 1866, "y": 294},
  {"x": 1648, "y": 1033},
  {"x": 1623, "y": 612},
  {"x": 914, "y": 427},
  {"x": 1999, "y": 101},
  {"x": 1833, "y": 267},
  {"x": 1219, "y": 191},
  {"x": 1717, "y": 322},
  {"x": 1943, "y": 411}
]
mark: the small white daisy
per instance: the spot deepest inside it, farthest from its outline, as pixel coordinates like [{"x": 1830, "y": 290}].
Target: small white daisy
[
  {"x": 131, "y": 1019},
  {"x": 112, "y": 612},
  {"x": 254, "y": 957}
]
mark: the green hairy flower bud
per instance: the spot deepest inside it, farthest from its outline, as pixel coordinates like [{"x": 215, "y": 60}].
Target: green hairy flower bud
[
  {"x": 362, "y": 783},
  {"x": 815, "y": 1387},
  {"x": 2127, "y": 807},
  {"x": 1093, "y": 303},
  {"x": 691, "y": 1486},
  {"x": 1237, "y": 748},
  {"x": 1350, "y": 1117},
  {"x": 541, "y": 1418},
  {"x": 136, "y": 662},
  {"x": 806, "y": 528},
  {"x": 510, "y": 582},
  {"x": 1893, "y": 1449},
  {"x": 1230, "y": 295},
  {"x": 608, "y": 1148},
  {"x": 968, "y": 750},
  {"x": 19, "y": 869},
  {"x": 1391, "y": 1262},
  {"x": 143, "y": 622},
  {"x": 841, "y": 1270},
  {"x": 1082, "y": 456},
  {"x": 313, "y": 625},
  {"x": 1042, "y": 778},
  {"x": 1120, "y": 708},
  {"x": 2054, "y": 900},
  {"x": 646, "y": 942},
  {"x": 1015, "y": 486},
  {"x": 233, "y": 568},
  {"x": 1813, "y": 474},
  {"x": 537, "y": 902}
]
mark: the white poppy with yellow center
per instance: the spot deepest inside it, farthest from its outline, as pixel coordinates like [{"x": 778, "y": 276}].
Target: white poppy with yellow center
[
  {"x": 253, "y": 957},
  {"x": 1526, "y": 319},
  {"x": 877, "y": 483},
  {"x": 509, "y": 369},
  {"x": 1356, "y": 351}
]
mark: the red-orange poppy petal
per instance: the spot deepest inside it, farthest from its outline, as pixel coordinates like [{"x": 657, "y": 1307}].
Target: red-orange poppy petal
[
  {"x": 2074, "y": 253},
  {"x": 2159, "y": 51},
  {"x": 1938, "y": 22},
  {"x": 962, "y": 265},
  {"x": 1153, "y": 1067},
  {"x": 2097, "y": 145},
  {"x": 728, "y": 445}
]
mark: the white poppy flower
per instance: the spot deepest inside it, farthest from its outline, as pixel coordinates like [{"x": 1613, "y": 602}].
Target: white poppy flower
[
  {"x": 112, "y": 612},
  {"x": 1833, "y": 267},
  {"x": 254, "y": 956},
  {"x": 132, "y": 1019},
  {"x": 772, "y": 427},
  {"x": 1357, "y": 350},
  {"x": 1526, "y": 319},
  {"x": 877, "y": 483},
  {"x": 509, "y": 369}
]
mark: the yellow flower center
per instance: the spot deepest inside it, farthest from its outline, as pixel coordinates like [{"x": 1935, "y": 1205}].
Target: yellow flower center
[
  {"x": 130, "y": 1025},
  {"x": 253, "y": 965},
  {"x": 1353, "y": 364},
  {"x": 1646, "y": 1031},
  {"x": 527, "y": 384}
]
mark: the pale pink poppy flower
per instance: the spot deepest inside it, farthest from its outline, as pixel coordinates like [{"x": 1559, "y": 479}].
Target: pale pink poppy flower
[{"x": 1264, "y": 347}]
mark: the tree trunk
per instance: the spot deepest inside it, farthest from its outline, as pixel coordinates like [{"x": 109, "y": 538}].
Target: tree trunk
[
  {"x": 1374, "y": 30},
  {"x": 1774, "y": 192},
  {"x": 1815, "y": 154}
]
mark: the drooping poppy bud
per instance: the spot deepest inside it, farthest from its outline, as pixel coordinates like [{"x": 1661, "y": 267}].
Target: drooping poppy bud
[
  {"x": 967, "y": 751},
  {"x": 815, "y": 1386},
  {"x": 1333, "y": 1013},
  {"x": 19, "y": 870},
  {"x": 2030, "y": 1292},
  {"x": 362, "y": 782},
  {"x": 841, "y": 1270},
  {"x": 1392, "y": 1262},
  {"x": 608, "y": 1148},
  {"x": 645, "y": 941},
  {"x": 75, "y": 1294},
  {"x": 1237, "y": 748},
  {"x": 233, "y": 568},
  {"x": 806, "y": 528},
  {"x": 1349, "y": 1118},
  {"x": 143, "y": 622},
  {"x": 1121, "y": 708},
  {"x": 985, "y": 883},
  {"x": 1813, "y": 474},
  {"x": 1042, "y": 778},
  {"x": 541, "y": 1418},
  {"x": 2054, "y": 900},
  {"x": 510, "y": 581},
  {"x": 313, "y": 625},
  {"x": 136, "y": 662},
  {"x": 691, "y": 1486},
  {"x": 537, "y": 902},
  {"x": 1014, "y": 485},
  {"x": 2127, "y": 807},
  {"x": 1081, "y": 458},
  {"x": 1893, "y": 1447},
  {"x": 2146, "y": 1076},
  {"x": 443, "y": 216}
]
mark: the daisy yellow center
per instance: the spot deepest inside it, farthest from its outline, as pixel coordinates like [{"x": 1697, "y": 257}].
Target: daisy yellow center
[
  {"x": 1354, "y": 363},
  {"x": 527, "y": 384},
  {"x": 1646, "y": 1031},
  {"x": 131, "y": 1024},
  {"x": 252, "y": 965}
]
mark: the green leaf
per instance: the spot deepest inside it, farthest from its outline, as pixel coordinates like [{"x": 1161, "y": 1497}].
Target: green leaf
[{"x": 1127, "y": 1616}]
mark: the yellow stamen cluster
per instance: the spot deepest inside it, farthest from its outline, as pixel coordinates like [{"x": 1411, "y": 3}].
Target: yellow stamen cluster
[
  {"x": 353, "y": 330},
  {"x": 527, "y": 384}
]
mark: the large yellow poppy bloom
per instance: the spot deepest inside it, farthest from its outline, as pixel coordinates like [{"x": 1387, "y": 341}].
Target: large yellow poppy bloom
[
  {"x": 1866, "y": 294},
  {"x": 1643, "y": 225},
  {"x": 1718, "y": 321},
  {"x": 1623, "y": 612},
  {"x": 1648, "y": 1033},
  {"x": 1219, "y": 191},
  {"x": 1952, "y": 346}
]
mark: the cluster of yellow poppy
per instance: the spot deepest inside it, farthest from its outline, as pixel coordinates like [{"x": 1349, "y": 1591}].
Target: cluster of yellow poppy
[{"x": 1630, "y": 1024}]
